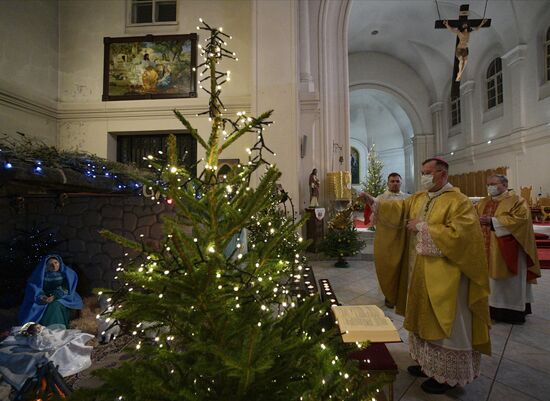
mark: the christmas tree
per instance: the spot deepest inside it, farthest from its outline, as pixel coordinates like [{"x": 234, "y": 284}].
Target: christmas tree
[
  {"x": 374, "y": 183},
  {"x": 342, "y": 238},
  {"x": 223, "y": 322}
]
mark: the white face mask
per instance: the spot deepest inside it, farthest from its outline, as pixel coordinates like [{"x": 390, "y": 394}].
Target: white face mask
[
  {"x": 493, "y": 190},
  {"x": 427, "y": 182}
]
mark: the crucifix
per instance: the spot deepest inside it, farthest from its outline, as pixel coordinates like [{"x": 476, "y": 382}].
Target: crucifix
[{"x": 462, "y": 28}]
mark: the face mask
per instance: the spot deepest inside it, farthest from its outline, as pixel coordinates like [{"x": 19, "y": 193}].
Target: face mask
[
  {"x": 427, "y": 181},
  {"x": 493, "y": 190}
]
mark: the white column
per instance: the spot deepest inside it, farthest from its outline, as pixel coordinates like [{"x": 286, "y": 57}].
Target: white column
[
  {"x": 437, "y": 122},
  {"x": 409, "y": 167},
  {"x": 467, "y": 111},
  {"x": 334, "y": 76},
  {"x": 306, "y": 79},
  {"x": 276, "y": 84},
  {"x": 309, "y": 104},
  {"x": 514, "y": 86},
  {"x": 423, "y": 145}
]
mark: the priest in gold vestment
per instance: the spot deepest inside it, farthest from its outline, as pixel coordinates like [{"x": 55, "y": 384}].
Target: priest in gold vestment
[
  {"x": 430, "y": 262},
  {"x": 511, "y": 251}
]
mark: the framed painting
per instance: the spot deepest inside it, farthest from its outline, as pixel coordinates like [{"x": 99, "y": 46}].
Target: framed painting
[{"x": 149, "y": 67}]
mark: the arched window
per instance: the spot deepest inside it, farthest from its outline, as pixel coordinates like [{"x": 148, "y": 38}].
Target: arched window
[
  {"x": 455, "y": 111},
  {"x": 547, "y": 54},
  {"x": 494, "y": 83}
]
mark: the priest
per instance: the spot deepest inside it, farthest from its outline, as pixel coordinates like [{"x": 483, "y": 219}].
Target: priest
[
  {"x": 430, "y": 262},
  {"x": 511, "y": 251}
]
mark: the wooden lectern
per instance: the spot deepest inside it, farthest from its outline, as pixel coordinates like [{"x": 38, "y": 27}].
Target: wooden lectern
[{"x": 315, "y": 229}]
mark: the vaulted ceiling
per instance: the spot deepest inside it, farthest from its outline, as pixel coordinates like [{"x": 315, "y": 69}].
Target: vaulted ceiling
[{"x": 405, "y": 30}]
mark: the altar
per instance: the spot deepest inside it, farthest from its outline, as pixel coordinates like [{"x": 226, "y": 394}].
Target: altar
[{"x": 542, "y": 228}]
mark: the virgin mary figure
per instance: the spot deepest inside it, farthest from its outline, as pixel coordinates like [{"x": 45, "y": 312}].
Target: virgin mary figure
[{"x": 50, "y": 295}]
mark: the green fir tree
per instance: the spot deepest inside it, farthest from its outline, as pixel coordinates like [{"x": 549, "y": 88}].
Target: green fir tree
[
  {"x": 374, "y": 183},
  {"x": 342, "y": 239},
  {"x": 223, "y": 321}
]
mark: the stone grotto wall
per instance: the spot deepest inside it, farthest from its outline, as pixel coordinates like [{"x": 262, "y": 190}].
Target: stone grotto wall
[{"x": 75, "y": 223}]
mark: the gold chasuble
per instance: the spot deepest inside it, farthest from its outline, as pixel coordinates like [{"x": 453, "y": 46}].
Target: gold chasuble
[
  {"x": 514, "y": 214},
  {"x": 425, "y": 288}
]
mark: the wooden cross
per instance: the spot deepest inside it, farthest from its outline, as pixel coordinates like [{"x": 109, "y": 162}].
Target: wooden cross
[{"x": 457, "y": 23}]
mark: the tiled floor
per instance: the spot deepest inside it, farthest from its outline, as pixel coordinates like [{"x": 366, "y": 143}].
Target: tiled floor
[{"x": 518, "y": 370}]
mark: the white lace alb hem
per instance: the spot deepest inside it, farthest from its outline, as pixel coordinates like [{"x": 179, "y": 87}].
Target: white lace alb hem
[{"x": 443, "y": 364}]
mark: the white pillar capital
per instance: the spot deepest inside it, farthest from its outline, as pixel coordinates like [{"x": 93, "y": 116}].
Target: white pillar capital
[
  {"x": 437, "y": 106},
  {"x": 515, "y": 55},
  {"x": 467, "y": 87}
]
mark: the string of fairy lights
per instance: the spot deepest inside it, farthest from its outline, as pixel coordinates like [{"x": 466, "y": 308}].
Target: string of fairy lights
[
  {"x": 244, "y": 274},
  {"x": 92, "y": 170}
]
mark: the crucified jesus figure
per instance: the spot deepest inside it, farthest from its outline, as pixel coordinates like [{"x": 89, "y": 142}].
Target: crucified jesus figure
[{"x": 463, "y": 34}]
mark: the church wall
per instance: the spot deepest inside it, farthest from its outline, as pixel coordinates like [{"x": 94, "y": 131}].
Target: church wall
[
  {"x": 28, "y": 68},
  {"x": 537, "y": 105},
  {"x": 275, "y": 75},
  {"x": 266, "y": 63},
  {"x": 86, "y": 121},
  {"x": 519, "y": 129}
]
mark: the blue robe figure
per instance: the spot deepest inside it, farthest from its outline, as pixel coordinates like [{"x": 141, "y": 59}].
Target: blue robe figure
[
  {"x": 50, "y": 294},
  {"x": 166, "y": 81}
]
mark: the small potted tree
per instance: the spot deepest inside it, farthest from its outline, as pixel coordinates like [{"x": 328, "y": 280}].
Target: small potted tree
[
  {"x": 374, "y": 183},
  {"x": 342, "y": 239}
]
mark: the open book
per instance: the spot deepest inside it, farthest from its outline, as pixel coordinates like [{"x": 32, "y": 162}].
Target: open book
[{"x": 364, "y": 322}]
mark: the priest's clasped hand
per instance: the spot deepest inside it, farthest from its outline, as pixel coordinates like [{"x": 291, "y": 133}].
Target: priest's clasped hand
[{"x": 411, "y": 225}]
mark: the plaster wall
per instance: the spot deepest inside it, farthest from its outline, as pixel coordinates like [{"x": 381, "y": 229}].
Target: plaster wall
[
  {"x": 519, "y": 129},
  {"x": 86, "y": 121},
  {"x": 29, "y": 68}
]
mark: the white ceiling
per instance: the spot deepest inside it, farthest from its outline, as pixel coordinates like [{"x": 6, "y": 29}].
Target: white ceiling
[{"x": 406, "y": 32}]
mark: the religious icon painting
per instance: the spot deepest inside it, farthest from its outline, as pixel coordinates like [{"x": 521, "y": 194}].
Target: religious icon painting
[{"x": 150, "y": 67}]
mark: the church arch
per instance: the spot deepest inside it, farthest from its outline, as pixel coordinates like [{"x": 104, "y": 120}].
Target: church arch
[
  {"x": 407, "y": 106},
  {"x": 382, "y": 117}
]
